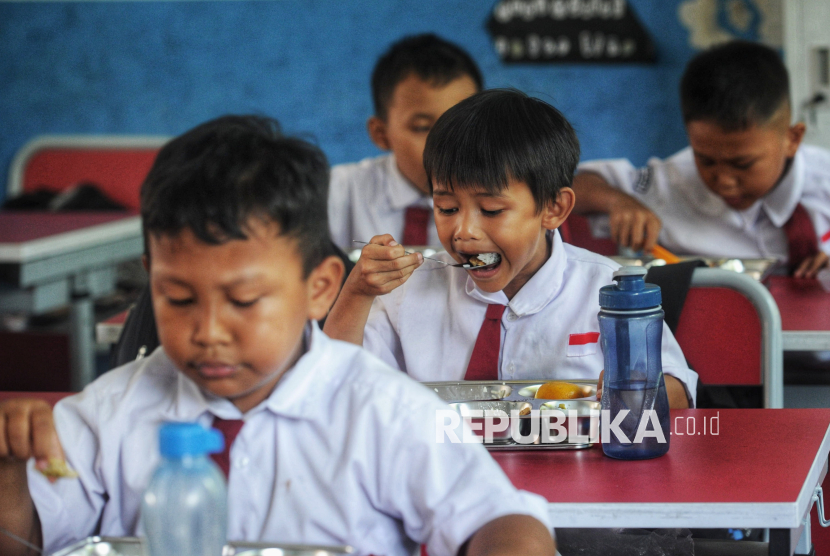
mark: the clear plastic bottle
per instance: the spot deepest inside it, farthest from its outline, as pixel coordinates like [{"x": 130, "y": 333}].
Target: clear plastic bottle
[
  {"x": 631, "y": 333},
  {"x": 185, "y": 506}
]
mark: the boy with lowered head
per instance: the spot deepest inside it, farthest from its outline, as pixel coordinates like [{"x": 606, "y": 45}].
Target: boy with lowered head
[
  {"x": 500, "y": 166},
  {"x": 331, "y": 447},
  {"x": 745, "y": 187}
]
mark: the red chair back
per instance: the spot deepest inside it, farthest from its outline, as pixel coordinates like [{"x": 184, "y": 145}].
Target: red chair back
[
  {"x": 577, "y": 231},
  {"x": 117, "y": 164},
  {"x": 720, "y": 335}
]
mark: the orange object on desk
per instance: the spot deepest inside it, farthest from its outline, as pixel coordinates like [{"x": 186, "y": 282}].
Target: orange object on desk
[{"x": 659, "y": 252}]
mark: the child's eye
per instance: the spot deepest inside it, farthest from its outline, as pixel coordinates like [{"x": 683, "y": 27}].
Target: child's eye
[
  {"x": 180, "y": 302},
  {"x": 448, "y": 211},
  {"x": 422, "y": 129},
  {"x": 491, "y": 212},
  {"x": 744, "y": 166},
  {"x": 243, "y": 304}
]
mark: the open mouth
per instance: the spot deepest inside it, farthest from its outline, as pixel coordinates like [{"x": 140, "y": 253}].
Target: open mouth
[{"x": 481, "y": 261}]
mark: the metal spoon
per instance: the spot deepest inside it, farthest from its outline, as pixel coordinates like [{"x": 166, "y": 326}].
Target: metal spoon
[{"x": 457, "y": 265}]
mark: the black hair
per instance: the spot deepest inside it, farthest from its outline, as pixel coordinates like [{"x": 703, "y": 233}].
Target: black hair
[
  {"x": 428, "y": 56},
  {"x": 503, "y": 134},
  {"x": 736, "y": 85},
  {"x": 214, "y": 178}
]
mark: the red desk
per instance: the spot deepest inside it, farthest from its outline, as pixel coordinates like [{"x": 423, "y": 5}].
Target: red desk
[
  {"x": 761, "y": 471},
  {"x": 805, "y": 313},
  {"x": 49, "y": 260}
]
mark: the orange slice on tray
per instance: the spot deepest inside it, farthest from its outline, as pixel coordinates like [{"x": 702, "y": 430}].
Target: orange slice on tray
[
  {"x": 659, "y": 252},
  {"x": 559, "y": 390}
]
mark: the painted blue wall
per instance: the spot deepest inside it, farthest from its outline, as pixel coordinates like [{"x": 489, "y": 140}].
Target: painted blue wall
[{"x": 163, "y": 67}]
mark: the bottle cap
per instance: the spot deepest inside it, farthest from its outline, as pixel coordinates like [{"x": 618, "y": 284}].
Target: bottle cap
[
  {"x": 630, "y": 292},
  {"x": 189, "y": 439}
]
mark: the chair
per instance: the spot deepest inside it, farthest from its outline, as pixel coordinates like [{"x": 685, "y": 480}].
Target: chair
[
  {"x": 118, "y": 164},
  {"x": 577, "y": 231},
  {"x": 730, "y": 332}
]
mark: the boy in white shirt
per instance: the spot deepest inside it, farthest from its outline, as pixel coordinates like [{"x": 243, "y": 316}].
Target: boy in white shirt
[
  {"x": 500, "y": 165},
  {"x": 332, "y": 447},
  {"x": 744, "y": 187},
  {"x": 413, "y": 83}
]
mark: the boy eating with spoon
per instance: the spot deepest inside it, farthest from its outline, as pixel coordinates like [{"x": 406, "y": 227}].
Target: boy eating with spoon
[{"x": 500, "y": 165}]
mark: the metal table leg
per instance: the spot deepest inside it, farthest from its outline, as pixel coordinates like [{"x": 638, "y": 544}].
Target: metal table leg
[{"x": 81, "y": 342}]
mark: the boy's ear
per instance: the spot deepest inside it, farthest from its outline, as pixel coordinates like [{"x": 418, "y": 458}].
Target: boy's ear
[
  {"x": 323, "y": 286},
  {"x": 557, "y": 211},
  {"x": 377, "y": 133},
  {"x": 795, "y": 133},
  {"x": 145, "y": 260}
]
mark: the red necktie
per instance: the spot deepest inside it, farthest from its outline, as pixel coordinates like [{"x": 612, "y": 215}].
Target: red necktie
[
  {"x": 801, "y": 237},
  {"x": 484, "y": 363},
  {"x": 415, "y": 225},
  {"x": 229, "y": 429}
]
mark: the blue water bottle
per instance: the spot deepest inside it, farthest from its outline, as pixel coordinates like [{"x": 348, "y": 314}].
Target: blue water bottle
[
  {"x": 185, "y": 506},
  {"x": 631, "y": 333}
]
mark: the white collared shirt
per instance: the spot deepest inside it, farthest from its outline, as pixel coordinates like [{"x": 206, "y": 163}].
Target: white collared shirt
[
  {"x": 370, "y": 198},
  {"x": 696, "y": 221},
  {"x": 344, "y": 451},
  {"x": 429, "y": 325}
]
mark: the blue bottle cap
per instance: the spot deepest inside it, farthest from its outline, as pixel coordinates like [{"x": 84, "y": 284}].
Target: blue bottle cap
[
  {"x": 189, "y": 439},
  {"x": 630, "y": 292}
]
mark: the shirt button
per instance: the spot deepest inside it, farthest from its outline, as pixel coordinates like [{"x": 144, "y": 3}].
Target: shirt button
[
  {"x": 511, "y": 367},
  {"x": 511, "y": 316},
  {"x": 243, "y": 462}
]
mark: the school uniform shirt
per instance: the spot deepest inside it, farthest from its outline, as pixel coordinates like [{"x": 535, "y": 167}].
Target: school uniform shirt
[
  {"x": 344, "y": 451},
  {"x": 428, "y": 326},
  {"x": 370, "y": 198},
  {"x": 697, "y": 221}
]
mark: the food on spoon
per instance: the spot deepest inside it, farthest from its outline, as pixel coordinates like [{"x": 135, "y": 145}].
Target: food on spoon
[
  {"x": 484, "y": 259},
  {"x": 559, "y": 390},
  {"x": 58, "y": 469}
]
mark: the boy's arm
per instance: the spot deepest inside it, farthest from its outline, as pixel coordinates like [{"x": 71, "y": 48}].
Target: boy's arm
[
  {"x": 26, "y": 430},
  {"x": 632, "y": 224},
  {"x": 810, "y": 266},
  {"x": 383, "y": 266},
  {"x": 519, "y": 535}
]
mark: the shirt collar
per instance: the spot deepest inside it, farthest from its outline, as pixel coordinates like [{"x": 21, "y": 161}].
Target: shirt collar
[
  {"x": 780, "y": 203},
  {"x": 401, "y": 192},
  {"x": 538, "y": 291},
  {"x": 289, "y": 398}
]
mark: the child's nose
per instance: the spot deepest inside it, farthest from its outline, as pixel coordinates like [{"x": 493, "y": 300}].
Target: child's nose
[
  {"x": 724, "y": 179},
  {"x": 210, "y": 328},
  {"x": 467, "y": 227}
]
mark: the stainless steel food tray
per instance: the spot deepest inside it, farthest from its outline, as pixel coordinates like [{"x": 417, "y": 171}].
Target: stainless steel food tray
[
  {"x": 459, "y": 392},
  {"x": 758, "y": 269},
  {"x": 132, "y": 546}
]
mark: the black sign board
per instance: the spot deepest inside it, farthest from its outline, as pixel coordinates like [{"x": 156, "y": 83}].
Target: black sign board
[{"x": 552, "y": 31}]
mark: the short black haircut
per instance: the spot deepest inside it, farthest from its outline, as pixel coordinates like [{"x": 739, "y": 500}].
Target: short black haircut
[
  {"x": 736, "y": 85},
  {"x": 498, "y": 135},
  {"x": 214, "y": 178},
  {"x": 428, "y": 56}
]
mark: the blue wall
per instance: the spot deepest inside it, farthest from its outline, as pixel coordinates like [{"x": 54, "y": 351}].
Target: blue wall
[{"x": 162, "y": 67}]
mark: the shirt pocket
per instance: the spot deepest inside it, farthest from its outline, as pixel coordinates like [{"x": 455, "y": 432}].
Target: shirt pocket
[{"x": 580, "y": 345}]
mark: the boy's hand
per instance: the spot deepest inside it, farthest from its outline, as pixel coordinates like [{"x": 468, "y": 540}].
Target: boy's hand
[
  {"x": 27, "y": 430},
  {"x": 382, "y": 267},
  {"x": 675, "y": 391},
  {"x": 810, "y": 266},
  {"x": 599, "y": 385},
  {"x": 632, "y": 224}
]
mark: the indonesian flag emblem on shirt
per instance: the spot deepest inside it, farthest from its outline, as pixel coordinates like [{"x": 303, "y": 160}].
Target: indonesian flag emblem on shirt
[{"x": 583, "y": 344}]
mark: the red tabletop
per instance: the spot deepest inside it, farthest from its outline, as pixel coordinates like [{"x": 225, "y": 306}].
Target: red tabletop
[
  {"x": 760, "y": 456},
  {"x": 804, "y": 305},
  {"x": 19, "y": 227}
]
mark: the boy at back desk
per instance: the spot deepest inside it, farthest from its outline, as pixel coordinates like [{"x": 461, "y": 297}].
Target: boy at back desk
[
  {"x": 326, "y": 445},
  {"x": 413, "y": 83},
  {"x": 744, "y": 188},
  {"x": 500, "y": 166}
]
